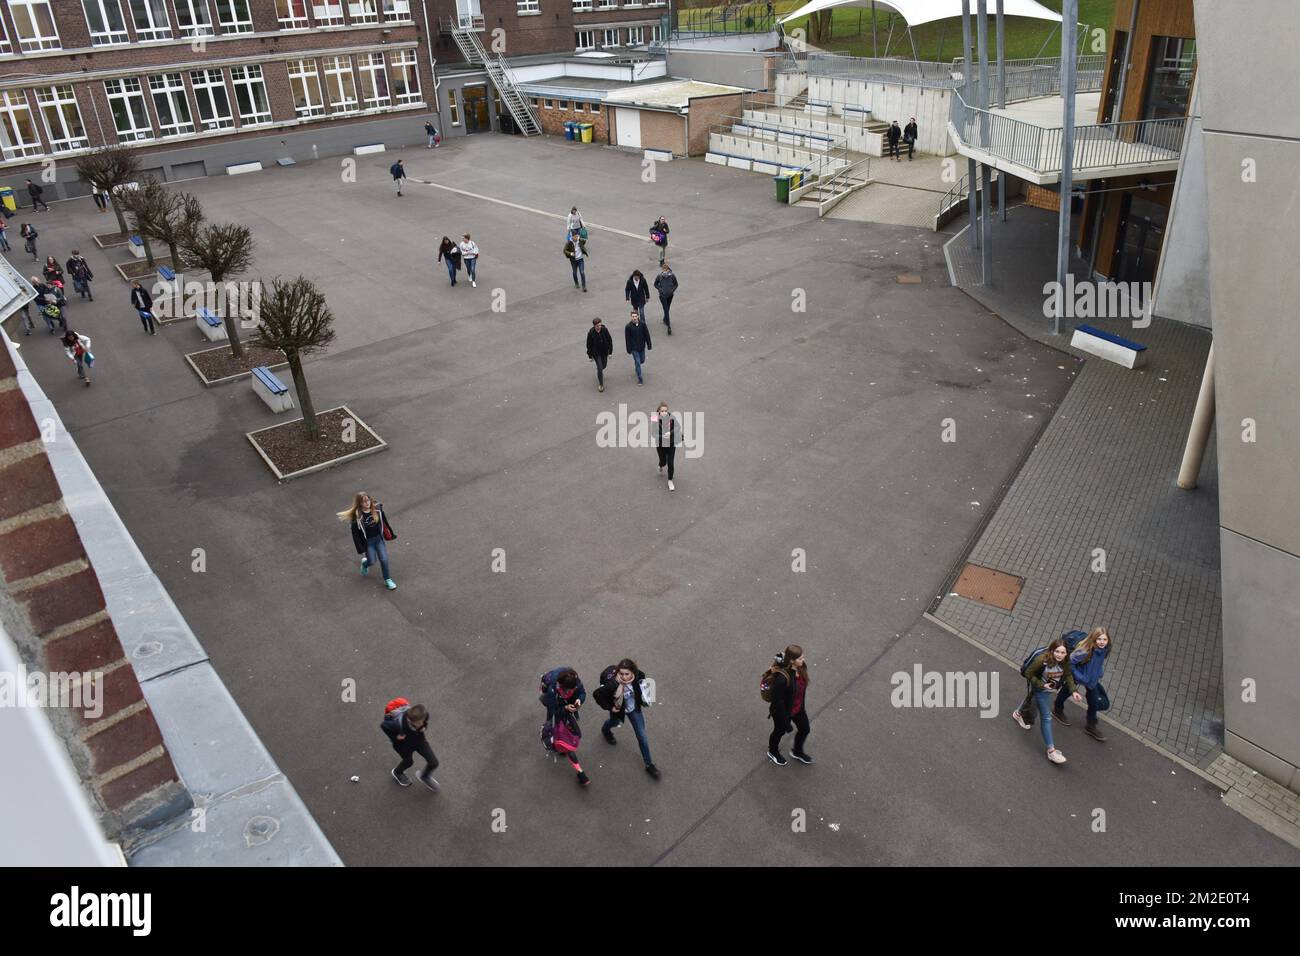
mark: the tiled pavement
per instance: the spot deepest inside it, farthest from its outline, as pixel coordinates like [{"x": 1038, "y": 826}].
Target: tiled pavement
[{"x": 902, "y": 193}]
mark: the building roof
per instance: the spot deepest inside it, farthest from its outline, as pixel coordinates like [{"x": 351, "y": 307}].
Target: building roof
[
  {"x": 673, "y": 94},
  {"x": 916, "y": 12}
]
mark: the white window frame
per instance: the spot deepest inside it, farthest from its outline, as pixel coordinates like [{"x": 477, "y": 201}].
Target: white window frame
[
  {"x": 549, "y": 104},
  {"x": 234, "y": 24},
  {"x": 404, "y": 72},
  {"x": 204, "y": 85},
  {"x": 53, "y": 101},
  {"x": 633, "y": 3},
  {"x": 109, "y": 34},
  {"x": 249, "y": 79},
  {"x": 128, "y": 92},
  {"x": 656, "y": 33},
  {"x": 303, "y": 72},
  {"x": 194, "y": 27},
  {"x": 363, "y": 11},
  {"x": 452, "y": 109},
  {"x": 12, "y": 104},
  {"x": 4, "y": 39},
  {"x": 327, "y": 13},
  {"x": 605, "y": 37},
  {"x": 636, "y": 36},
  {"x": 168, "y": 89},
  {"x": 606, "y": 4},
  {"x": 582, "y": 6},
  {"x": 39, "y": 38},
  {"x": 397, "y": 11},
  {"x": 154, "y": 27},
  {"x": 340, "y": 67},
  {"x": 527, "y": 8},
  {"x": 292, "y": 14},
  {"x": 580, "y": 35},
  {"x": 372, "y": 71}
]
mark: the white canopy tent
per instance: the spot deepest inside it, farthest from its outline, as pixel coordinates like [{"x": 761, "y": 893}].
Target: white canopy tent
[{"x": 916, "y": 12}]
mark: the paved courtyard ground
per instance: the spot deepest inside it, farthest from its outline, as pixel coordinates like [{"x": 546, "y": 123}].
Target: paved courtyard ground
[{"x": 823, "y": 431}]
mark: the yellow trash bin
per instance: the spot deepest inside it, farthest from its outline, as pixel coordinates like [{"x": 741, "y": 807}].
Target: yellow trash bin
[
  {"x": 587, "y": 130},
  {"x": 8, "y": 199}
]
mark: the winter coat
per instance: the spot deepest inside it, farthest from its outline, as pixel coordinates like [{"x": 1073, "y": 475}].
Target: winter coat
[
  {"x": 554, "y": 702},
  {"x": 396, "y": 723},
  {"x": 568, "y": 248},
  {"x": 1034, "y": 673},
  {"x": 605, "y": 694},
  {"x": 451, "y": 251},
  {"x": 909, "y": 133},
  {"x": 666, "y": 283},
  {"x": 636, "y": 336},
  {"x": 141, "y": 299},
  {"x": 1089, "y": 672},
  {"x": 79, "y": 269},
  {"x": 636, "y": 293},
  {"x": 359, "y": 531},
  {"x": 599, "y": 343}
]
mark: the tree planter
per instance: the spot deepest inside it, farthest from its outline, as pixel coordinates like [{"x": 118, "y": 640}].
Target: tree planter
[
  {"x": 111, "y": 240},
  {"x": 130, "y": 271},
  {"x": 217, "y": 366},
  {"x": 289, "y": 454}
]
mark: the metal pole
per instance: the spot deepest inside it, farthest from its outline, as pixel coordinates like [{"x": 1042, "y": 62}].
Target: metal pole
[
  {"x": 1002, "y": 104},
  {"x": 971, "y": 197},
  {"x": 1124, "y": 68},
  {"x": 1069, "y": 21},
  {"x": 986, "y": 182},
  {"x": 875, "y": 49},
  {"x": 1199, "y": 435},
  {"x": 915, "y": 58}
]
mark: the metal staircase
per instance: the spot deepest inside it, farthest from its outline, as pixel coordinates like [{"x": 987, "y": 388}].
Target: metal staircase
[{"x": 465, "y": 32}]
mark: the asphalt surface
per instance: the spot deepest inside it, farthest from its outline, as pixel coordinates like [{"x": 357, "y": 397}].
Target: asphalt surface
[{"x": 823, "y": 431}]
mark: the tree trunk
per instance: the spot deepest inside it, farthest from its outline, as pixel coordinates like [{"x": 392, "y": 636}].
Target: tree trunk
[
  {"x": 304, "y": 396},
  {"x": 232, "y": 326},
  {"x": 121, "y": 220},
  {"x": 148, "y": 251},
  {"x": 176, "y": 257}
]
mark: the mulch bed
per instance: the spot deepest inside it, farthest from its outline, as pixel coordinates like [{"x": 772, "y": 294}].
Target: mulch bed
[
  {"x": 110, "y": 240},
  {"x": 290, "y": 451},
  {"x": 139, "y": 268},
  {"x": 217, "y": 363}
]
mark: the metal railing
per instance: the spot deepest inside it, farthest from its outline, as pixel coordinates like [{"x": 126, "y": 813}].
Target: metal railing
[
  {"x": 1027, "y": 79},
  {"x": 1100, "y": 145},
  {"x": 851, "y": 177},
  {"x": 711, "y": 21},
  {"x": 912, "y": 72},
  {"x": 463, "y": 21},
  {"x": 822, "y": 154}
]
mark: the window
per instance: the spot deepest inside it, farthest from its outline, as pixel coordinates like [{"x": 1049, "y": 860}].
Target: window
[
  {"x": 250, "y": 95},
  {"x": 340, "y": 84},
  {"x": 635, "y": 36},
  {"x": 1169, "y": 82},
  {"x": 171, "y": 105},
  {"x": 150, "y": 19},
  {"x": 632, "y": 3},
  {"x": 234, "y": 16},
  {"x": 292, "y": 14},
  {"x": 404, "y": 77},
  {"x": 107, "y": 26},
  {"x": 523, "y": 7},
  {"x": 130, "y": 115},
  {"x": 304, "y": 85},
  {"x": 584, "y": 40},
  {"x": 34, "y": 24},
  {"x": 4, "y": 39},
  {"x": 374, "y": 81},
  {"x": 452, "y": 108},
  {"x": 362, "y": 11},
  {"x": 550, "y": 104},
  {"x": 18, "y": 136},
  {"x": 656, "y": 33},
  {"x": 62, "y": 118},
  {"x": 397, "y": 11},
  {"x": 564, "y": 104},
  {"x": 193, "y": 18},
  {"x": 608, "y": 38},
  {"x": 606, "y": 4},
  {"x": 327, "y": 13},
  {"x": 581, "y": 6},
  {"x": 214, "y": 102}
]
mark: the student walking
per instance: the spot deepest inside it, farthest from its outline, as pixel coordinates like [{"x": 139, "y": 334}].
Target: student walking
[
  {"x": 449, "y": 253},
  {"x": 34, "y": 190},
  {"x": 785, "y": 687},
  {"x": 4, "y": 236},
  {"x": 659, "y": 236},
  {"x": 398, "y": 172},
  {"x": 431, "y": 131},
  {"x": 562, "y": 694},
  {"x": 636, "y": 336},
  {"x": 666, "y": 286},
  {"x": 469, "y": 256},
  {"x": 621, "y": 694},
  {"x": 600, "y": 346},
  {"x": 573, "y": 221},
  {"x": 895, "y": 134},
  {"x": 77, "y": 348},
  {"x": 637, "y": 291},
  {"x": 371, "y": 533},
  {"x": 142, "y": 302},
  {"x": 53, "y": 274},
  {"x": 28, "y": 325},
  {"x": 47, "y": 301},
  {"x": 667, "y": 440},
  {"x": 1088, "y": 664},
  {"x": 29, "y": 234},
  {"x": 576, "y": 251},
  {"x": 79, "y": 270},
  {"x": 404, "y": 724},
  {"x": 1046, "y": 672},
  {"x": 100, "y": 195},
  {"x": 909, "y": 137}
]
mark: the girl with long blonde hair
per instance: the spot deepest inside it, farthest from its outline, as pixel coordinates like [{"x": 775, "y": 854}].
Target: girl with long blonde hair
[
  {"x": 371, "y": 532},
  {"x": 1088, "y": 664}
]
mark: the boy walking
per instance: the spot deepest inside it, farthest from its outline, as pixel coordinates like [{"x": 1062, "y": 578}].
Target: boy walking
[
  {"x": 398, "y": 172},
  {"x": 636, "y": 336},
  {"x": 404, "y": 727},
  {"x": 666, "y": 286},
  {"x": 600, "y": 346},
  {"x": 576, "y": 251},
  {"x": 35, "y": 191}
]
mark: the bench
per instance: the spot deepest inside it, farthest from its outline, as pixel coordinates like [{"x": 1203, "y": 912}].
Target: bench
[
  {"x": 211, "y": 325},
  {"x": 367, "y": 148},
  {"x": 819, "y": 107},
  {"x": 285, "y": 161},
  {"x": 166, "y": 273},
  {"x": 136, "y": 245},
  {"x": 659, "y": 155},
  {"x": 1108, "y": 346},
  {"x": 234, "y": 169},
  {"x": 271, "y": 390}
]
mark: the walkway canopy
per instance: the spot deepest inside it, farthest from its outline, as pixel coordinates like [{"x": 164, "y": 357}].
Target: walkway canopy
[{"x": 916, "y": 12}]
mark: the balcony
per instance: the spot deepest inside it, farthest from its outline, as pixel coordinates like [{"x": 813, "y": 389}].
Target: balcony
[{"x": 464, "y": 21}]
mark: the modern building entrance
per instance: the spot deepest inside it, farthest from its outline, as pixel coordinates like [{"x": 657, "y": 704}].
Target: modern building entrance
[{"x": 477, "y": 117}]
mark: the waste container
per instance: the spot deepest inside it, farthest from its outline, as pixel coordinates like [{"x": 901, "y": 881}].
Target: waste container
[
  {"x": 587, "y": 130},
  {"x": 8, "y": 201},
  {"x": 796, "y": 179},
  {"x": 782, "y": 187},
  {"x": 569, "y": 132}
]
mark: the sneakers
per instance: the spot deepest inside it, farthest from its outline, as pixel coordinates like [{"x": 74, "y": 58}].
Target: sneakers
[
  {"x": 776, "y": 759},
  {"x": 428, "y": 781},
  {"x": 583, "y": 779},
  {"x": 390, "y": 584},
  {"x": 670, "y": 330},
  {"x": 584, "y": 288},
  {"x": 1015, "y": 715},
  {"x": 365, "y": 566},
  {"x": 1060, "y": 715},
  {"x": 401, "y": 778},
  {"x": 639, "y": 383},
  {"x": 802, "y": 758},
  {"x": 609, "y": 736},
  {"x": 600, "y": 387},
  {"x": 652, "y": 770},
  {"x": 1094, "y": 731},
  {"x": 1055, "y": 756},
  {"x": 671, "y": 486},
  {"x": 474, "y": 283}
]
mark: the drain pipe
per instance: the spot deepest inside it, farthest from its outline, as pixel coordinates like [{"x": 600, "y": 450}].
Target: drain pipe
[
  {"x": 428, "y": 39},
  {"x": 1199, "y": 435}
]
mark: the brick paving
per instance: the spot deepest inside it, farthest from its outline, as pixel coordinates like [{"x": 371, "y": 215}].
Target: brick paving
[{"x": 901, "y": 193}]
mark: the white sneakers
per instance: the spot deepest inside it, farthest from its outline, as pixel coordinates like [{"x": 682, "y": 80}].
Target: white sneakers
[
  {"x": 1055, "y": 756},
  {"x": 671, "y": 487}
]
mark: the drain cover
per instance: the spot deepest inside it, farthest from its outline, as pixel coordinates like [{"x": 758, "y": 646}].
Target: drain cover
[
  {"x": 987, "y": 586},
  {"x": 907, "y": 278}
]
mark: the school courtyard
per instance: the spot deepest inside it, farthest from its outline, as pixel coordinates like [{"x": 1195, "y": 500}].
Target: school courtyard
[{"x": 828, "y": 361}]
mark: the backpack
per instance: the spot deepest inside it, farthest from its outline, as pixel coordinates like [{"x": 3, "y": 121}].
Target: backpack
[
  {"x": 657, "y": 237},
  {"x": 765, "y": 683},
  {"x": 546, "y": 683},
  {"x": 396, "y": 704},
  {"x": 1071, "y": 638},
  {"x": 395, "y": 170}
]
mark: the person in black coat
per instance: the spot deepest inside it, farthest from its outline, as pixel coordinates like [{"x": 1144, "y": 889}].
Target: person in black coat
[
  {"x": 621, "y": 694},
  {"x": 404, "y": 727},
  {"x": 909, "y": 137},
  {"x": 789, "y": 685},
  {"x": 600, "y": 346},
  {"x": 636, "y": 336},
  {"x": 449, "y": 253},
  {"x": 79, "y": 270},
  {"x": 666, "y": 286},
  {"x": 35, "y": 191},
  {"x": 637, "y": 291},
  {"x": 142, "y": 302},
  {"x": 371, "y": 532},
  {"x": 895, "y": 134}
]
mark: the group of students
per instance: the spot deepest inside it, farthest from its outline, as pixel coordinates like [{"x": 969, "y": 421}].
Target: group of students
[
  {"x": 907, "y": 134},
  {"x": 1056, "y": 673},
  {"x": 454, "y": 255}
]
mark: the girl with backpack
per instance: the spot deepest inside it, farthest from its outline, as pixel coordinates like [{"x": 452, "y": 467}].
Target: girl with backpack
[
  {"x": 620, "y": 693},
  {"x": 562, "y": 694},
  {"x": 785, "y": 686},
  {"x": 77, "y": 348},
  {"x": 1047, "y": 673},
  {"x": 29, "y": 234},
  {"x": 449, "y": 253},
  {"x": 666, "y": 446},
  {"x": 469, "y": 256},
  {"x": 371, "y": 533},
  {"x": 1088, "y": 664},
  {"x": 404, "y": 726},
  {"x": 659, "y": 236}
]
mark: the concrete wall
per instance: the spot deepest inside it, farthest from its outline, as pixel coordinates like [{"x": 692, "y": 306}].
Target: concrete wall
[
  {"x": 705, "y": 112},
  {"x": 734, "y": 42},
  {"x": 1249, "y": 78},
  {"x": 893, "y": 101},
  {"x": 752, "y": 71},
  {"x": 1182, "y": 289}
]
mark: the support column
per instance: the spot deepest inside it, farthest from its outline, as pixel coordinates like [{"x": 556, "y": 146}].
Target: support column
[
  {"x": 1069, "y": 26},
  {"x": 1002, "y": 104},
  {"x": 875, "y": 49},
  {"x": 1198, "y": 437},
  {"x": 1124, "y": 67},
  {"x": 986, "y": 181},
  {"x": 967, "y": 70}
]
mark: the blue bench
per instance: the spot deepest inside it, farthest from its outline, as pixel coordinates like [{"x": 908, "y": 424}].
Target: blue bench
[
  {"x": 1109, "y": 346},
  {"x": 166, "y": 273},
  {"x": 210, "y": 324},
  {"x": 271, "y": 390},
  {"x": 136, "y": 245}
]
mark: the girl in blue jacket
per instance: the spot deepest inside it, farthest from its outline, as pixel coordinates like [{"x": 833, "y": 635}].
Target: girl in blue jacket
[{"x": 1088, "y": 662}]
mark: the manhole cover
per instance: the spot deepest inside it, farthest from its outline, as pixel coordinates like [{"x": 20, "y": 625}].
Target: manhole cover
[
  {"x": 908, "y": 279},
  {"x": 994, "y": 588}
]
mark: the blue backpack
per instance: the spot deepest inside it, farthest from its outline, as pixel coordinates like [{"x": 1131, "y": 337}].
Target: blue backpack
[{"x": 1071, "y": 639}]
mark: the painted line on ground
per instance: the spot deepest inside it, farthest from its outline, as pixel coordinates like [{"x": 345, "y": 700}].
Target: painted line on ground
[{"x": 540, "y": 212}]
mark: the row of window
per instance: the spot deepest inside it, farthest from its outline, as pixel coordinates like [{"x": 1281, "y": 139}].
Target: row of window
[
  {"x": 579, "y": 106},
  {"x": 584, "y": 6},
  {"x": 600, "y": 39},
  {"x": 374, "y": 83},
  {"x": 107, "y": 20}
]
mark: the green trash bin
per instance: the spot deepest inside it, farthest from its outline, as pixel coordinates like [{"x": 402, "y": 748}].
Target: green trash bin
[
  {"x": 782, "y": 188},
  {"x": 587, "y": 130},
  {"x": 569, "y": 132}
]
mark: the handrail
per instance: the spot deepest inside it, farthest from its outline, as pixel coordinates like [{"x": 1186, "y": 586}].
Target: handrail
[
  {"x": 834, "y": 156},
  {"x": 463, "y": 21},
  {"x": 762, "y": 100},
  {"x": 842, "y": 178}
]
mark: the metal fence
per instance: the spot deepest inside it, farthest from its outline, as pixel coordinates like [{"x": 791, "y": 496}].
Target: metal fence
[
  {"x": 820, "y": 154},
  {"x": 1026, "y": 79},
  {"x": 733, "y": 18},
  {"x": 890, "y": 70}
]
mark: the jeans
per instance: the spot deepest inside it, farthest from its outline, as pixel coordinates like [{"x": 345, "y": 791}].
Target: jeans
[
  {"x": 640, "y": 311},
  {"x": 421, "y": 747},
  {"x": 579, "y": 267},
  {"x": 471, "y": 267},
  {"x": 803, "y": 729},
  {"x": 1044, "y": 700},
  {"x": 667, "y": 302},
  {"x": 4, "y": 241},
  {"x": 911, "y": 148},
  {"x": 377, "y": 551},
  {"x": 28, "y": 324},
  {"x": 1090, "y": 693},
  {"x": 663, "y": 251},
  {"x": 667, "y": 455},
  {"x": 431, "y": 142},
  {"x": 146, "y": 319},
  {"x": 82, "y": 288},
  {"x": 398, "y": 181},
  {"x": 30, "y": 246},
  {"x": 451, "y": 269},
  {"x": 600, "y": 361},
  {"x": 81, "y": 365},
  {"x": 638, "y": 727},
  {"x": 637, "y": 359}
]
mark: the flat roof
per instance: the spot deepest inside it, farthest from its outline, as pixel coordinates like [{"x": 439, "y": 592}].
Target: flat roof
[{"x": 675, "y": 94}]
